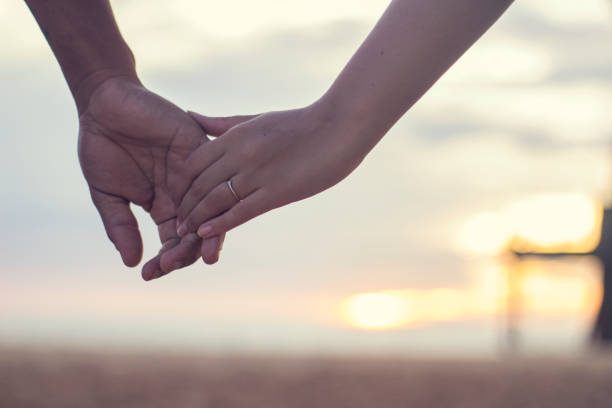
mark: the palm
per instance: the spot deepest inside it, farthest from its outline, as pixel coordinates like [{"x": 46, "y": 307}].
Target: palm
[{"x": 131, "y": 142}]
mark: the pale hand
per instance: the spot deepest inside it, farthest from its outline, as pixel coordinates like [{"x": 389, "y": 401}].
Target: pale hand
[{"x": 271, "y": 159}]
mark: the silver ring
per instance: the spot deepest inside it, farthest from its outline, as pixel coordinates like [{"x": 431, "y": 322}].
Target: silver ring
[{"x": 231, "y": 188}]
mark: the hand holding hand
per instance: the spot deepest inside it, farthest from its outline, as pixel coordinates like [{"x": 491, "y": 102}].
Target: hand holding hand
[
  {"x": 131, "y": 144},
  {"x": 271, "y": 159}
]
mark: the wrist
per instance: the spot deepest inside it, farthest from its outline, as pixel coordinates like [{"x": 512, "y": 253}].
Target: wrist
[
  {"x": 339, "y": 135},
  {"x": 88, "y": 85},
  {"x": 86, "y": 42},
  {"x": 332, "y": 114},
  {"x": 351, "y": 122}
]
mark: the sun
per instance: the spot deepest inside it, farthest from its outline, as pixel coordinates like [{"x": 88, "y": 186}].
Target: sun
[
  {"x": 544, "y": 223},
  {"x": 377, "y": 311},
  {"x": 556, "y": 223}
]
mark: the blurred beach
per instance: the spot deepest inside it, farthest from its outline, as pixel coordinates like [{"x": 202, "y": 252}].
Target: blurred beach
[{"x": 60, "y": 378}]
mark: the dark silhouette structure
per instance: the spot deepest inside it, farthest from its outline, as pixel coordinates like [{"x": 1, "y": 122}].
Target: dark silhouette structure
[{"x": 602, "y": 331}]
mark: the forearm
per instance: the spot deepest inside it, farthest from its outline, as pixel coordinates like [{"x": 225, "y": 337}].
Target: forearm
[
  {"x": 412, "y": 45},
  {"x": 86, "y": 41}
]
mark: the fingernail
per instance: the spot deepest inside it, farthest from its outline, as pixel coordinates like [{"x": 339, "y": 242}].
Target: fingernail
[
  {"x": 181, "y": 230},
  {"x": 204, "y": 231}
]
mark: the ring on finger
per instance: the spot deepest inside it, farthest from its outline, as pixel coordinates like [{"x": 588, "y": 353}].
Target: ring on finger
[{"x": 231, "y": 188}]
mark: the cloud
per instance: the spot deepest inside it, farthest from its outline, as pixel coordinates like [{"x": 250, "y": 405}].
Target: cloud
[
  {"x": 265, "y": 72},
  {"x": 587, "y": 12},
  {"x": 572, "y": 112},
  {"x": 172, "y": 35},
  {"x": 23, "y": 42},
  {"x": 578, "y": 42}
]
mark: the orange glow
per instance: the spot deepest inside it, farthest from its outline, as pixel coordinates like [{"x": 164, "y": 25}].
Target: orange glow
[
  {"x": 544, "y": 223},
  {"x": 556, "y": 223},
  {"x": 546, "y": 289},
  {"x": 377, "y": 310},
  {"x": 404, "y": 308},
  {"x": 484, "y": 234},
  {"x": 549, "y": 288}
]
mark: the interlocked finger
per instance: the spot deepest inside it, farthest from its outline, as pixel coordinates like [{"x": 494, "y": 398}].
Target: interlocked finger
[
  {"x": 250, "y": 207},
  {"x": 202, "y": 158},
  {"x": 203, "y": 185},
  {"x": 183, "y": 254},
  {"x": 222, "y": 198}
]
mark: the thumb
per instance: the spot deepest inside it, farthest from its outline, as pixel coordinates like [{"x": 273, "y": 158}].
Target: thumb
[
  {"x": 120, "y": 224},
  {"x": 216, "y": 126}
]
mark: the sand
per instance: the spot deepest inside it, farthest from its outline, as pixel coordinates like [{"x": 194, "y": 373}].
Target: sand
[{"x": 52, "y": 378}]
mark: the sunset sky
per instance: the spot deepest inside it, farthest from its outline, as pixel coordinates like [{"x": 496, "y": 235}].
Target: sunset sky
[{"x": 415, "y": 232}]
